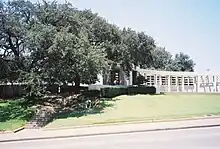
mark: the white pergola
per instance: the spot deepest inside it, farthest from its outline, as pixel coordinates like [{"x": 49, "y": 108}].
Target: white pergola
[{"x": 171, "y": 81}]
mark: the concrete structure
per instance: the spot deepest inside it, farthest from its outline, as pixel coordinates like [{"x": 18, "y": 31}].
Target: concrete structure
[{"x": 170, "y": 81}]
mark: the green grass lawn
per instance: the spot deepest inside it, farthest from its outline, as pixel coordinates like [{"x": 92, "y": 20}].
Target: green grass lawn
[
  {"x": 14, "y": 114},
  {"x": 146, "y": 107}
]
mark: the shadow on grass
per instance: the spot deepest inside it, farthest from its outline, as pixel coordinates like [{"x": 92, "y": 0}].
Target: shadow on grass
[
  {"x": 15, "y": 110},
  {"x": 79, "y": 113}
]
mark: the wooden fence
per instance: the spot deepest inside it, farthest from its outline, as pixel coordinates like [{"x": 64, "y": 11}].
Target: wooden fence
[{"x": 17, "y": 90}]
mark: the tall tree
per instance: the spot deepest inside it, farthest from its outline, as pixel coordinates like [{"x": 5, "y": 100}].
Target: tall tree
[
  {"x": 62, "y": 53},
  {"x": 137, "y": 49},
  {"x": 15, "y": 19},
  {"x": 105, "y": 35},
  {"x": 146, "y": 45},
  {"x": 183, "y": 62},
  {"x": 162, "y": 59},
  {"x": 51, "y": 43}
]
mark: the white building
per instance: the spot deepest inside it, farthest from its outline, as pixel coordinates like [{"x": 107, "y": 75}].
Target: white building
[{"x": 170, "y": 81}]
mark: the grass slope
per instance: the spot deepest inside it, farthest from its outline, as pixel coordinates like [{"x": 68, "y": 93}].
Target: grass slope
[
  {"x": 145, "y": 107},
  {"x": 14, "y": 114}
]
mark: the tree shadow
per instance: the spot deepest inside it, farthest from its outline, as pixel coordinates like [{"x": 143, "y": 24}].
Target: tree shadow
[
  {"x": 53, "y": 100},
  {"x": 64, "y": 107},
  {"x": 79, "y": 112}
]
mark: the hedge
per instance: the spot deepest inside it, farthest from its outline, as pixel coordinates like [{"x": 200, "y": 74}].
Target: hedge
[
  {"x": 141, "y": 90},
  {"x": 91, "y": 93},
  {"x": 111, "y": 92}
]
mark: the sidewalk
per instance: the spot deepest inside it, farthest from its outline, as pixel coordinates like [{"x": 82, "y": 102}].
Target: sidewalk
[{"x": 104, "y": 130}]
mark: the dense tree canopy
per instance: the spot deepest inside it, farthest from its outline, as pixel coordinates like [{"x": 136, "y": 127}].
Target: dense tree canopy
[
  {"x": 51, "y": 43},
  {"x": 163, "y": 60},
  {"x": 183, "y": 62}
]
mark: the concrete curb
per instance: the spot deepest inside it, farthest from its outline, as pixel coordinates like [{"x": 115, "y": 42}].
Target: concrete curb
[
  {"x": 18, "y": 129},
  {"x": 108, "y": 133},
  {"x": 132, "y": 122}
]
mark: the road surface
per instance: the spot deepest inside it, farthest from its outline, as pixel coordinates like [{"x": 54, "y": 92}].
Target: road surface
[{"x": 204, "y": 138}]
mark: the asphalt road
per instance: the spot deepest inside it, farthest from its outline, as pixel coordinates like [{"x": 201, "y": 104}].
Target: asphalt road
[{"x": 205, "y": 138}]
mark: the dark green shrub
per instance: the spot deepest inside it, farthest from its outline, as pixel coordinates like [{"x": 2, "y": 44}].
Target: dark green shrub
[
  {"x": 15, "y": 110},
  {"x": 111, "y": 92},
  {"x": 91, "y": 93},
  {"x": 53, "y": 88},
  {"x": 132, "y": 90},
  {"x": 140, "y": 80}
]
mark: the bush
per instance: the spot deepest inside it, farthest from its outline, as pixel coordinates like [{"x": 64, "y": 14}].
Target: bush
[
  {"x": 15, "y": 110},
  {"x": 111, "y": 92},
  {"x": 72, "y": 89},
  {"x": 91, "y": 93},
  {"x": 132, "y": 90},
  {"x": 140, "y": 80}
]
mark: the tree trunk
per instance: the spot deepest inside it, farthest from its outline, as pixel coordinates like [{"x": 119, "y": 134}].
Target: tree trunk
[{"x": 77, "y": 84}]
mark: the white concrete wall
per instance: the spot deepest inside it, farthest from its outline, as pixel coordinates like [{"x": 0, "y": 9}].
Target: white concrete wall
[
  {"x": 194, "y": 82},
  {"x": 211, "y": 85}
]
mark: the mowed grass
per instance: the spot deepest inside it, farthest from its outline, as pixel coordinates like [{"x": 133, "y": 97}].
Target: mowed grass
[
  {"x": 14, "y": 114},
  {"x": 12, "y": 124},
  {"x": 147, "y": 108}
]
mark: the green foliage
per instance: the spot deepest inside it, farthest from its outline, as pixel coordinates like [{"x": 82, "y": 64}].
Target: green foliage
[
  {"x": 15, "y": 19},
  {"x": 162, "y": 60},
  {"x": 111, "y": 92},
  {"x": 91, "y": 93},
  {"x": 141, "y": 90},
  {"x": 34, "y": 86},
  {"x": 137, "y": 49},
  {"x": 15, "y": 110},
  {"x": 183, "y": 62},
  {"x": 140, "y": 80},
  {"x": 64, "y": 53},
  {"x": 52, "y": 43}
]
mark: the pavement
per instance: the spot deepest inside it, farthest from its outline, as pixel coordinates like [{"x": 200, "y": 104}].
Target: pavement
[
  {"x": 44, "y": 134},
  {"x": 196, "y": 138}
]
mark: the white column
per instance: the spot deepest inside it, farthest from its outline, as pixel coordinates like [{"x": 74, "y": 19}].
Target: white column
[
  {"x": 177, "y": 86},
  {"x": 130, "y": 78},
  {"x": 100, "y": 76},
  {"x": 197, "y": 84},
  {"x": 183, "y": 90},
  {"x": 160, "y": 80},
  {"x": 188, "y": 84},
  {"x": 215, "y": 83},
  {"x": 169, "y": 83},
  {"x": 107, "y": 77},
  {"x": 194, "y": 87},
  {"x": 155, "y": 81}
]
